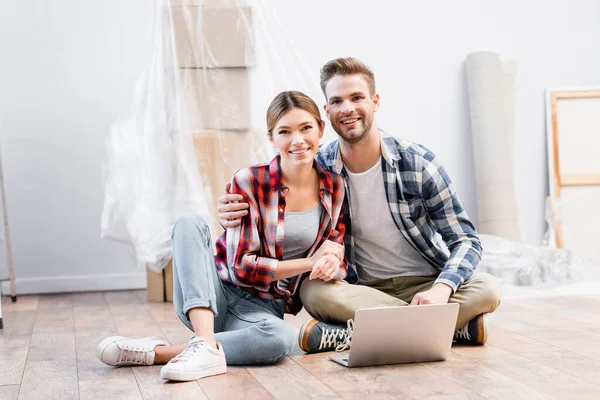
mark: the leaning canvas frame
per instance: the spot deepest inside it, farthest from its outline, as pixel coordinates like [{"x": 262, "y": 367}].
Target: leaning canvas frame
[{"x": 573, "y": 137}]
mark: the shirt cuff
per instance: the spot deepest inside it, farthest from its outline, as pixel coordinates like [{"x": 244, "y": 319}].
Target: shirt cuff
[
  {"x": 451, "y": 279},
  {"x": 265, "y": 273}
]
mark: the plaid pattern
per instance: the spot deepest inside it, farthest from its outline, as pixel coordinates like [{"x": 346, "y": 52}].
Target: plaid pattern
[
  {"x": 424, "y": 206},
  {"x": 247, "y": 255}
]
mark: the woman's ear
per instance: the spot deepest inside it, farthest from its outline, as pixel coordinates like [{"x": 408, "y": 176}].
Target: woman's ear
[
  {"x": 322, "y": 129},
  {"x": 270, "y": 136}
]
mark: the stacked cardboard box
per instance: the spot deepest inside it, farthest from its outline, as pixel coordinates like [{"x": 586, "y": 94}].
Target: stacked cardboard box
[{"x": 215, "y": 52}]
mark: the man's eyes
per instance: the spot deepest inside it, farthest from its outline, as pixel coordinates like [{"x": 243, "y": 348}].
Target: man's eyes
[{"x": 355, "y": 98}]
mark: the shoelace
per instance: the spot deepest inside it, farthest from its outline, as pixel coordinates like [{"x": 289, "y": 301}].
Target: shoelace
[
  {"x": 463, "y": 333},
  {"x": 188, "y": 352},
  {"x": 133, "y": 356},
  {"x": 340, "y": 338}
]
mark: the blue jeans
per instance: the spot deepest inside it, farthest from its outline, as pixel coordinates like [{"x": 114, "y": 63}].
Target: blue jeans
[{"x": 250, "y": 329}]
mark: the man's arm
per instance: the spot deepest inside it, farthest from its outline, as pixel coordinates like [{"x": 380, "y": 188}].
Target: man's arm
[
  {"x": 453, "y": 224},
  {"x": 231, "y": 208},
  {"x": 457, "y": 231}
]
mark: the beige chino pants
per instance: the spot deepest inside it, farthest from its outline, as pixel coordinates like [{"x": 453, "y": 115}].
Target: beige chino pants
[{"x": 336, "y": 302}]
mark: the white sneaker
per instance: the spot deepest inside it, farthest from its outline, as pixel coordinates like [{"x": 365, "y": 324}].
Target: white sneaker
[
  {"x": 120, "y": 351},
  {"x": 197, "y": 360}
]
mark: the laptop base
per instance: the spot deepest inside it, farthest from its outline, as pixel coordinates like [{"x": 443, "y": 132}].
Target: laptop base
[{"x": 340, "y": 359}]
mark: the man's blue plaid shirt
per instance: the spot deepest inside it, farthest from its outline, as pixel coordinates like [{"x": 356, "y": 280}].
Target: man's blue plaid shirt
[{"x": 424, "y": 206}]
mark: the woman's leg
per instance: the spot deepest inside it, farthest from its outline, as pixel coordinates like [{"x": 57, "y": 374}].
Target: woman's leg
[
  {"x": 198, "y": 296},
  {"x": 198, "y": 299},
  {"x": 255, "y": 332}
]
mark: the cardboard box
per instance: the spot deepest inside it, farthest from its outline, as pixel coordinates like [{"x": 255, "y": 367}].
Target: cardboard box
[
  {"x": 218, "y": 98},
  {"x": 159, "y": 285},
  {"x": 219, "y": 155},
  {"x": 213, "y": 37}
]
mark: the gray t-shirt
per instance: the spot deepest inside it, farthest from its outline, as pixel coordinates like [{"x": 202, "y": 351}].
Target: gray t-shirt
[
  {"x": 381, "y": 250},
  {"x": 301, "y": 229}
]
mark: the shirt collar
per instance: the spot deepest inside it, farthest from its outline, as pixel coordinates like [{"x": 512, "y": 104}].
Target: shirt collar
[
  {"x": 389, "y": 152},
  {"x": 277, "y": 184}
]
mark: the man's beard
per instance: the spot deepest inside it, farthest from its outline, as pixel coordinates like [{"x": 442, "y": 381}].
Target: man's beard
[{"x": 355, "y": 138}]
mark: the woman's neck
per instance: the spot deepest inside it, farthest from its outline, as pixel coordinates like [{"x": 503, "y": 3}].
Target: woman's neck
[{"x": 293, "y": 175}]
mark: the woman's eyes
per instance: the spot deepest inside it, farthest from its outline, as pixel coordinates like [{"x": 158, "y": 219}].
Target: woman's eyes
[{"x": 304, "y": 128}]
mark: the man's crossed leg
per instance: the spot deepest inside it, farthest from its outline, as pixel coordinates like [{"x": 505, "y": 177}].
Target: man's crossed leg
[{"x": 332, "y": 304}]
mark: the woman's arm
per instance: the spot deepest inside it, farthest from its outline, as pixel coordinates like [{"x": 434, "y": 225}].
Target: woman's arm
[
  {"x": 328, "y": 268},
  {"x": 246, "y": 266}
]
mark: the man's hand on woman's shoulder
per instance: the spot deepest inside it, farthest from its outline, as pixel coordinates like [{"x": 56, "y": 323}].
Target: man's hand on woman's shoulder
[{"x": 231, "y": 208}]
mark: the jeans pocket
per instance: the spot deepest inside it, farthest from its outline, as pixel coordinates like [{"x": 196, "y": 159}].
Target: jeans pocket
[{"x": 248, "y": 311}]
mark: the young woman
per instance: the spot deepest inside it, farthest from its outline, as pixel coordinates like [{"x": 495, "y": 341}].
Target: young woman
[{"x": 234, "y": 302}]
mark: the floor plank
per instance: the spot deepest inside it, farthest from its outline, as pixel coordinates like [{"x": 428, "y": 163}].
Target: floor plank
[
  {"x": 15, "y": 338},
  {"x": 227, "y": 386},
  {"x": 9, "y": 392},
  {"x": 51, "y": 367},
  {"x": 56, "y": 379},
  {"x": 538, "y": 348},
  {"x": 288, "y": 380},
  {"x": 152, "y": 387}
]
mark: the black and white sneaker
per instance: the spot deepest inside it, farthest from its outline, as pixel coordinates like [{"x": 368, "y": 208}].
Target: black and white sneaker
[
  {"x": 474, "y": 332},
  {"x": 316, "y": 336}
]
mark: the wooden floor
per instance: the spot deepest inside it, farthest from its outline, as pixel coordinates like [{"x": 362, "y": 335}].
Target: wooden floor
[{"x": 538, "y": 348}]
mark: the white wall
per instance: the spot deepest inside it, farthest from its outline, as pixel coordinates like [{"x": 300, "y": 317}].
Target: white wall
[
  {"x": 67, "y": 71},
  {"x": 417, "y": 50},
  {"x": 68, "y": 68}
]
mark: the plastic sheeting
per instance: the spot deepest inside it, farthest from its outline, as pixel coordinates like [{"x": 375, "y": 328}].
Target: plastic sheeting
[
  {"x": 491, "y": 89},
  {"x": 575, "y": 212},
  {"x": 197, "y": 116},
  {"x": 523, "y": 265}
]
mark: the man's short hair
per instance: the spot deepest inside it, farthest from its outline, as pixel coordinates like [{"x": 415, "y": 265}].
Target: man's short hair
[{"x": 346, "y": 66}]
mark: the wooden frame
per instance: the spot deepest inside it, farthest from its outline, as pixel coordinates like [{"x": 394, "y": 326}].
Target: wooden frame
[{"x": 558, "y": 180}]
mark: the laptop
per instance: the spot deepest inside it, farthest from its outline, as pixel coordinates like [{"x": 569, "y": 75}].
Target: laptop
[{"x": 399, "y": 335}]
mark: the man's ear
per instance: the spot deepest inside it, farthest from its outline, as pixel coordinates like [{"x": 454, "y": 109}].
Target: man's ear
[
  {"x": 375, "y": 101},
  {"x": 326, "y": 112}
]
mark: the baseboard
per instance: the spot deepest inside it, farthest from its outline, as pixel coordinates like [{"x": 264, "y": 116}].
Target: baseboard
[{"x": 80, "y": 283}]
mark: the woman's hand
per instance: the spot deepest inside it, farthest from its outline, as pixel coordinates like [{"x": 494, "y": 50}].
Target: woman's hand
[
  {"x": 230, "y": 209},
  {"x": 328, "y": 247},
  {"x": 326, "y": 268}
]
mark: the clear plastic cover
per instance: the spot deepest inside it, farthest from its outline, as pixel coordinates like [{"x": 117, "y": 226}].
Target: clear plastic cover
[
  {"x": 197, "y": 116},
  {"x": 524, "y": 265}
]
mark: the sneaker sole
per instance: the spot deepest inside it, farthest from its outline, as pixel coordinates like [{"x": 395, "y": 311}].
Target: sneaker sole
[
  {"x": 192, "y": 375},
  {"x": 302, "y": 338},
  {"x": 482, "y": 330}
]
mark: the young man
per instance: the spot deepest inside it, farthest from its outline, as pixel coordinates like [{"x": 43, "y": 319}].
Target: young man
[{"x": 409, "y": 242}]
